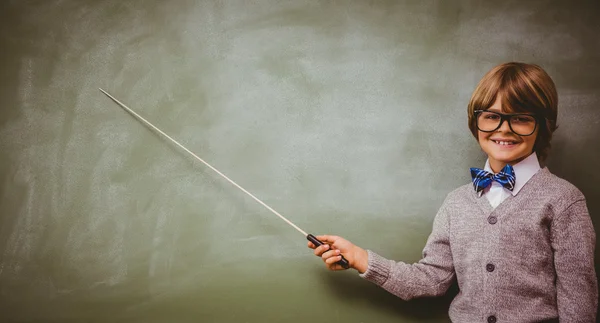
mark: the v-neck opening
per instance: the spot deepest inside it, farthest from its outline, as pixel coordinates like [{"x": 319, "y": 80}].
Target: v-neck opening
[{"x": 487, "y": 207}]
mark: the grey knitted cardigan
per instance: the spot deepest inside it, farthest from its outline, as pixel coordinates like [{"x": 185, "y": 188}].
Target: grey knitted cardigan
[{"x": 530, "y": 259}]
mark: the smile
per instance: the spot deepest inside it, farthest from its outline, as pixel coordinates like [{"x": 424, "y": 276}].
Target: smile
[{"x": 505, "y": 142}]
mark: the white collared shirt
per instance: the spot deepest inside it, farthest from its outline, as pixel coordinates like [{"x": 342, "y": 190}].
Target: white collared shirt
[{"x": 524, "y": 170}]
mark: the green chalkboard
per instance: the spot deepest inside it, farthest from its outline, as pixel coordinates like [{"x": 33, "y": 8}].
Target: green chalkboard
[{"x": 348, "y": 118}]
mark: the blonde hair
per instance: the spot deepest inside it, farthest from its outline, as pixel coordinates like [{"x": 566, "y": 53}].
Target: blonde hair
[{"x": 522, "y": 88}]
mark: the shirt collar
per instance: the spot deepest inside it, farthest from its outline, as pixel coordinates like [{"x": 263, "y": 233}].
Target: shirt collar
[{"x": 524, "y": 171}]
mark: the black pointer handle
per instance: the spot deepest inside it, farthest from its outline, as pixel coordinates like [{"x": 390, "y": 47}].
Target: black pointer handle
[{"x": 344, "y": 263}]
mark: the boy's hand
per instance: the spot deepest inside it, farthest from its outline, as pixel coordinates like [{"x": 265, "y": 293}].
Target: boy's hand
[{"x": 333, "y": 246}]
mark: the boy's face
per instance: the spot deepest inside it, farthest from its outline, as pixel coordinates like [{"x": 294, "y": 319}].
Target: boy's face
[{"x": 504, "y": 146}]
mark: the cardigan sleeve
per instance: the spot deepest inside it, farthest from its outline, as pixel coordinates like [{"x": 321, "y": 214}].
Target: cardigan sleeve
[
  {"x": 431, "y": 276},
  {"x": 573, "y": 242}
]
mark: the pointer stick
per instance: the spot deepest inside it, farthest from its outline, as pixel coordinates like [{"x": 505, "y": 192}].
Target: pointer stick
[{"x": 344, "y": 263}]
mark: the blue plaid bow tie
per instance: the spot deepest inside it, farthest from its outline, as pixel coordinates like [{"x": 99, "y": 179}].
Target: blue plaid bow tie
[{"x": 483, "y": 179}]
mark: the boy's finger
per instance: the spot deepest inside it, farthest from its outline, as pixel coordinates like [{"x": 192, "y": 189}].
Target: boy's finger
[
  {"x": 330, "y": 254},
  {"x": 321, "y": 249},
  {"x": 332, "y": 263},
  {"x": 327, "y": 238},
  {"x": 333, "y": 260}
]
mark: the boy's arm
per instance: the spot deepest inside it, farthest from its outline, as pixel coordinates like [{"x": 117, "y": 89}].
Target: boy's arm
[
  {"x": 573, "y": 241},
  {"x": 431, "y": 276}
]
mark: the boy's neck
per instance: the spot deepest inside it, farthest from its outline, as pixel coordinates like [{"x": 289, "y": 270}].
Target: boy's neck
[{"x": 497, "y": 166}]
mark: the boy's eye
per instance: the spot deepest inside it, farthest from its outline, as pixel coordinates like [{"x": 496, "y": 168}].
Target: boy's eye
[
  {"x": 491, "y": 116},
  {"x": 523, "y": 119}
]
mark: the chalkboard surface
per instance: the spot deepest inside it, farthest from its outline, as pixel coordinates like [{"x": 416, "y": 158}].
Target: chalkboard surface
[{"x": 348, "y": 118}]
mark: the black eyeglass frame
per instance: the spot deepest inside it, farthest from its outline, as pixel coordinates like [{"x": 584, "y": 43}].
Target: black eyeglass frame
[{"x": 506, "y": 117}]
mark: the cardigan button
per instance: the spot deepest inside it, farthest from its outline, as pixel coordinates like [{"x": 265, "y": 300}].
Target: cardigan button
[
  {"x": 490, "y": 267},
  {"x": 492, "y": 219},
  {"x": 491, "y": 319}
]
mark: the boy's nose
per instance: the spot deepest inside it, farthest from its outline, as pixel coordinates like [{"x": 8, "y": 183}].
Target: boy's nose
[{"x": 504, "y": 126}]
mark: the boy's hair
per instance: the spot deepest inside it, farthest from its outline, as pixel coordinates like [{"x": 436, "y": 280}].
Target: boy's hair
[{"x": 522, "y": 88}]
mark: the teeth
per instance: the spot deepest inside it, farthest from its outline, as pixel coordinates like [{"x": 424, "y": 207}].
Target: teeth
[{"x": 504, "y": 143}]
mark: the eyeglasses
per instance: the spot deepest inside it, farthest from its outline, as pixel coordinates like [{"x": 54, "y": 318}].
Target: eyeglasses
[{"x": 520, "y": 123}]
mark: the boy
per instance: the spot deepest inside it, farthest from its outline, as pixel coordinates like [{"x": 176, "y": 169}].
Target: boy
[{"x": 518, "y": 239}]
